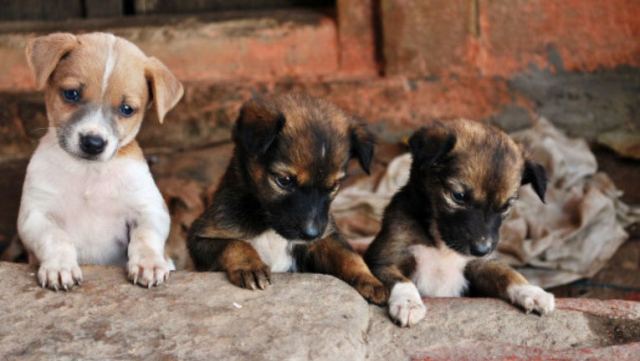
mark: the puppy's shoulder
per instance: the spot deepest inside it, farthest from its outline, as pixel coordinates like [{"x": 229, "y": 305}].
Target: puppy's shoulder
[{"x": 399, "y": 216}]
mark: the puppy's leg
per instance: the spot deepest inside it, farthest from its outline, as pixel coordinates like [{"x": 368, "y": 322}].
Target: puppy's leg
[
  {"x": 496, "y": 279},
  {"x": 237, "y": 258},
  {"x": 405, "y": 304},
  {"x": 244, "y": 266},
  {"x": 147, "y": 265},
  {"x": 53, "y": 249},
  {"x": 334, "y": 256}
]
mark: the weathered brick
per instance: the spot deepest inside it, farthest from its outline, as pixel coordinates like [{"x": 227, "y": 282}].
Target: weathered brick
[
  {"x": 393, "y": 106},
  {"x": 576, "y": 35},
  {"x": 357, "y": 36},
  {"x": 425, "y": 37},
  {"x": 505, "y": 37},
  {"x": 255, "y": 45}
]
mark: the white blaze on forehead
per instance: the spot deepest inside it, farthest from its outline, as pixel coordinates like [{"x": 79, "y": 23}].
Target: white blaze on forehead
[
  {"x": 93, "y": 123},
  {"x": 109, "y": 63}
]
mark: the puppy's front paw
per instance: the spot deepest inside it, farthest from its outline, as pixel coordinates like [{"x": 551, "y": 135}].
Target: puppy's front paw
[
  {"x": 371, "y": 289},
  {"x": 252, "y": 276},
  {"x": 405, "y": 304},
  {"x": 148, "y": 271},
  {"x": 532, "y": 298},
  {"x": 59, "y": 275}
]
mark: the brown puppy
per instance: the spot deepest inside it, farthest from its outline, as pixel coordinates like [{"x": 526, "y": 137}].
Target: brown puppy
[
  {"x": 271, "y": 210},
  {"x": 439, "y": 228}
]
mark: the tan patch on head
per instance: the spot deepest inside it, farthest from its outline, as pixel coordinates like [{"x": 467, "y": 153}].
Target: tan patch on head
[
  {"x": 488, "y": 160},
  {"x": 108, "y": 71},
  {"x": 303, "y": 114},
  {"x": 299, "y": 109},
  {"x": 316, "y": 134}
]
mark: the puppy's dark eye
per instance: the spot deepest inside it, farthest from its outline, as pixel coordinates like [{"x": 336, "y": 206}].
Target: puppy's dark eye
[
  {"x": 335, "y": 186},
  {"x": 507, "y": 206},
  {"x": 126, "y": 110},
  {"x": 285, "y": 182},
  {"x": 71, "y": 95},
  {"x": 459, "y": 197}
]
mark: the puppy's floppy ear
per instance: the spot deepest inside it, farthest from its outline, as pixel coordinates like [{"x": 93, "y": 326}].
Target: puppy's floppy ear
[
  {"x": 44, "y": 53},
  {"x": 362, "y": 145},
  {"x": 535, "y": 175},
  {"x": 258, "y": 125},
  {"x": 430, "y": 144},
  {"x": 165, "y": 89}
]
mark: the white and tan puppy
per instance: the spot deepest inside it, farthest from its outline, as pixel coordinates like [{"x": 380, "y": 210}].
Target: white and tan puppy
[{"x": 88, "y": 196}]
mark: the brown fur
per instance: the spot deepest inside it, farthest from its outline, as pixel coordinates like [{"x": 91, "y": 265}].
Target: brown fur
[
  {"x": 465, "y": 157},
  {"x": 66, "y": 61},
  {"x": 300, "y": 138},
  {"x": 244, "y": 266},
  {"x": 492, "y": 278}
]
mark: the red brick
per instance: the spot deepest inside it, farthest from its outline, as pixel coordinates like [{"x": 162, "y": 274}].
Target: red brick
[
  {"x": 398, "y": 105},
  {"x": 505, "y": 37},
  {"x": 394, "y": 106},
  {"x": 253, "y": 46},
  {"x": 425, "y": 37},
  {"x": 586, "y": 34},
  {"x": 357, "y": 37}
]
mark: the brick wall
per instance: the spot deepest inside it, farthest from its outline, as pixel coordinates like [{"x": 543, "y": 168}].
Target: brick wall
[{"x": 394, "y": 63}]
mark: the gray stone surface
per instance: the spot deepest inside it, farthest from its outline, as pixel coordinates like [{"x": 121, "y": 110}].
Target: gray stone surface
[
  {"x": 193, "y": 317},
  {"x": 494, "y": 324},
  {"x": 199, "y": 316},
  {"x": 583, "y": 104}
]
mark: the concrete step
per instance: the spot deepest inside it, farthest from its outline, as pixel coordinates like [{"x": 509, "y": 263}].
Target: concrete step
[{"x": 300, "y": 317}]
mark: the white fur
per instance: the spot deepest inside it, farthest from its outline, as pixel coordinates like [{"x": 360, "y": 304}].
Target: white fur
[
  {"x": 75, "y": 211},
  {"x": 109, "y": 63},
  {"x": 275, "y": 251},
  {"x": 94, "y": 123},
  {"x": 405, "y": 304},
  {"x": 439, "y": 271},
  {"x": 531, "y": 298}
]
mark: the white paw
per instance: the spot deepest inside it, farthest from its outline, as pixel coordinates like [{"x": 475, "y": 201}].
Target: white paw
[
  {"x": 58, "y": 275},
  {"x": 405, "y": 304},
  {"x": 532, "y": 298},
  {"x": 148, "y": 271}
]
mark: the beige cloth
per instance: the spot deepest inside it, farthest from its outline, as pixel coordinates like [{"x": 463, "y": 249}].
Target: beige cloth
[{"x": 570, "y": 237}]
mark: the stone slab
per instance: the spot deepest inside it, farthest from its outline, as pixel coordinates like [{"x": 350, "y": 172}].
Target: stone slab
[
  {"x": 196, "y": 316},
  {"x": 200, "y": 316}
]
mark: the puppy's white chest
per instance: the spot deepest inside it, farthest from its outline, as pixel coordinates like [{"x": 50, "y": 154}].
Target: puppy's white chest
[
  {"x": 439, "y": 272},
  {"x": 95, "y": 216},
  {"x": 87, "y": 201},
  {"x": 275, "y": 251}
]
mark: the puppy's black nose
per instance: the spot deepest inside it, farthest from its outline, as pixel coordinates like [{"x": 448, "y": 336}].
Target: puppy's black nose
[
  {"x": 480, "y": 248},
  {"x": 310, "y": 231},
  {"x": 92, "y": 144}
]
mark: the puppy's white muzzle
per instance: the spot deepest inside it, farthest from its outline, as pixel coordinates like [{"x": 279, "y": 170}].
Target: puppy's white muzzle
[{"x": 90, "y": 136}]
